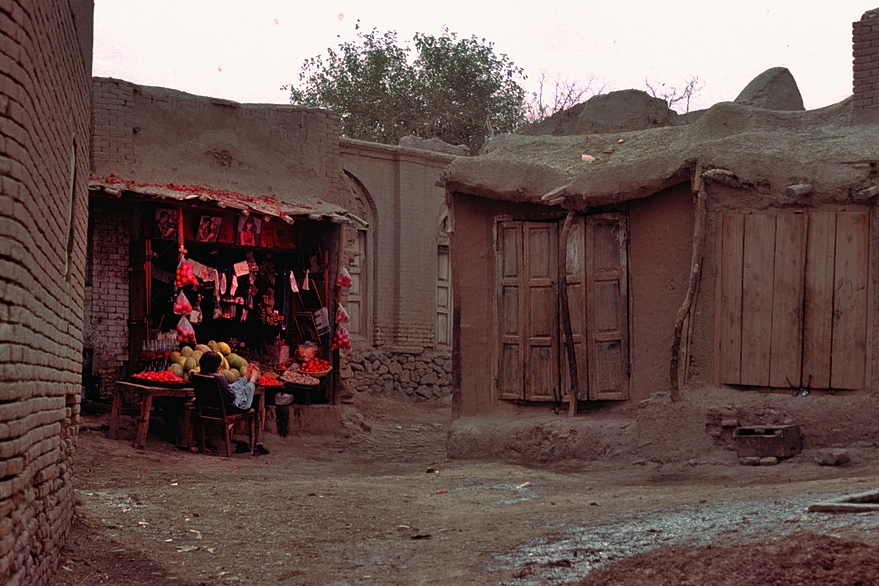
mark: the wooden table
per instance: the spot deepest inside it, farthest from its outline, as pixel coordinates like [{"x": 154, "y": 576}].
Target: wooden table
[{"x": 184, "y": 430}]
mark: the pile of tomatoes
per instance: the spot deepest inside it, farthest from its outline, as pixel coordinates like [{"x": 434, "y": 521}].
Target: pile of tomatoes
[
  {"x": 268, "y": 381},
  {"x": 314, "y": 365},
  {"x": 158, "y": 376}
]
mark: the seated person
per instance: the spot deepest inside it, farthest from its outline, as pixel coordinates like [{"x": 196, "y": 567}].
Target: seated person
[{"x": 237, "y": 396}]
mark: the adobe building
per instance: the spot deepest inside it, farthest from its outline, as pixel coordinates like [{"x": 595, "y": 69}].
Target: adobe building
[
  {"x": 683, "y": 277},
  {"x": 366, "y": 206},
  {"x": 46, "y": 53}
]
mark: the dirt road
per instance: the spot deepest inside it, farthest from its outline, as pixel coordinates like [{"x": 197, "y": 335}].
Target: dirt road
[{"x": 382, "y": 506}]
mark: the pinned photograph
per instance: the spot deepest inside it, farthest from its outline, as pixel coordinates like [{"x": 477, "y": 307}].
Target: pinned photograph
[
  {"x": 248, "y": 231},
  {"x": 165, "y": 226},
  {"x": 208, "y": 229}
]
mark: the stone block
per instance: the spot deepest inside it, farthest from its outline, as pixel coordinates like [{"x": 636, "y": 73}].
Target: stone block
[{"x": 832, "y": 457}]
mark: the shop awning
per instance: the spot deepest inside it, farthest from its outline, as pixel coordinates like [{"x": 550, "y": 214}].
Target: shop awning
[{"x": 310, "y": 208}]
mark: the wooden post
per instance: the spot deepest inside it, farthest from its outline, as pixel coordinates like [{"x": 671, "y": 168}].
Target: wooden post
[
  {"x": 181, "y": 248},
  {"x": 566, "y": 313},
  {"x": 695, "y": 272}
]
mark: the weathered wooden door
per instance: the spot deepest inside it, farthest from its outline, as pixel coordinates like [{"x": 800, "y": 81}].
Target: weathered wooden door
[
  {"x": 443, "y": 296},
  {"x": 597, "y": 281},
  {"x": 792, "y": 299},
  {"x": 527, "y": 311},
  {"x": 530, "y": 365}
]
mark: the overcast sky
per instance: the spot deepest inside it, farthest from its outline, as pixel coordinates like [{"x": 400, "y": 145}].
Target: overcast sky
[{"x": 245, "y": 51}]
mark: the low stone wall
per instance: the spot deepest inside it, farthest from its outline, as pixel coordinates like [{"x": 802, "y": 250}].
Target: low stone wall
[{"x": 417, "y": 373}]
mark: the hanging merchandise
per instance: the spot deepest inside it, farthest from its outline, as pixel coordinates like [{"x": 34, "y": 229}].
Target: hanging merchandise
[
  {"x": 241, "y": 268},
  {"x": 342, "y": 315},
  {"x": 305, "y": 285},
  {"x": 341, "y": 339},
  {"x": 251, "y": 264},
  {"x": 221, "y": 286},
  {"x": 195, "y": 317},
  {"x": 184, "y": 275},
  {"x": 267, "y": 313},
  {"x": 185, "y": 332},
  {"x": 234, "y": 285},
  {"x": 294, "y": 286},
  {"x": 344, "y": 278},
  {"x": 218, "y": 309},
  {"x": 182, "y": 305},
  {"x": 322, "y": 321}
]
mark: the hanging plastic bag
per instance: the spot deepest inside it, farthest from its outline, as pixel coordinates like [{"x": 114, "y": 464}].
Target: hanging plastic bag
[
  {"x": 185, "y": 332},
  {"x": 294, "y": 286},
  {"x": 184, "y": 275},
  {"x": 344, "y": 278},
  {"x": 342, "y": 315},
  {"x": 305, "y": 284},
  {"x": 341, "y": 339},
  {"x": 182, "y": 306}
]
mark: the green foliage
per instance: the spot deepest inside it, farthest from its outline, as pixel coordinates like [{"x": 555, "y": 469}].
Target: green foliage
[{"x": 457, "y": 90}]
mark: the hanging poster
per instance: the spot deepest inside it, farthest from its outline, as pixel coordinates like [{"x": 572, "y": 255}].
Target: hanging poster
[
  {"x": 249, "y": 230},
  {"x": 209, "y": 229},
  {"x": 165, "y": 225}
]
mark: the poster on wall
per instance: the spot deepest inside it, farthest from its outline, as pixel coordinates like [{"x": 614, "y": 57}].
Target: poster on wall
[
  {"x": 248, "y": 231},
  {"x": 165, "y": 225},
  {"x": 209, "y": 229}
]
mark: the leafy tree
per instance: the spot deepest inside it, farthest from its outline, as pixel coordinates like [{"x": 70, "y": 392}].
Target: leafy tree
[{"x": 457, "y": 90}]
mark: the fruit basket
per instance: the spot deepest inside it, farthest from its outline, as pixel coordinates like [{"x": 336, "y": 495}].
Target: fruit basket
[{"x": 316, "y": 367}]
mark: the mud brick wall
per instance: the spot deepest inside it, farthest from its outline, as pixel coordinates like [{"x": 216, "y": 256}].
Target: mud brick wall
[
  {"x": 865, "y": 79},
  {"x": 45, "y": 71},
  {"x": 106, "y": 292},
  {"x": 161, "y": 135},
  {"x": 404, "y": 208}
]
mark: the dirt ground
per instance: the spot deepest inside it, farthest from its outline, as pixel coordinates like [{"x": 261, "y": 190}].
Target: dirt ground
[{"x": 382, "y": 505}]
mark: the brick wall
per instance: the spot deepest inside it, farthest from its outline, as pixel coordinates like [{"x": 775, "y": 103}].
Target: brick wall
[
  {"x": 45, "y": 64},
  {"x": 865, "y": 78},
  {"x": 106, "y": 293}
]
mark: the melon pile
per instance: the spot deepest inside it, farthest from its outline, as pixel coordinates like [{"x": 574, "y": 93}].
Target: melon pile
[{"x": 186, "y": 361}]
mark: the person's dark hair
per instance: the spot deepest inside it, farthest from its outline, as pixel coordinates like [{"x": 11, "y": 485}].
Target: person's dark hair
[{"x": 210, "y": 362}]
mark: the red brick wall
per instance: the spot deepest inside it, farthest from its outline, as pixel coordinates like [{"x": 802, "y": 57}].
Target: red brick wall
[
  {"x": 865, "y": 80},
  {"x": 45, "y": 70}
]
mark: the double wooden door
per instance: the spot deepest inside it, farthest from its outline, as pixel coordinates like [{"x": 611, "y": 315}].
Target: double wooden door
[{"x": 531, "y": 363}]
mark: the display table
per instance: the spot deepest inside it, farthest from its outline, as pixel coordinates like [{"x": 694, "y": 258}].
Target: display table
[{"x": 148, "y": 392}]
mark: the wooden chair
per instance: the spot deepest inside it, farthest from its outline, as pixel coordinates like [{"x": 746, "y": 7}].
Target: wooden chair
[{"x": 210, "y": 407}]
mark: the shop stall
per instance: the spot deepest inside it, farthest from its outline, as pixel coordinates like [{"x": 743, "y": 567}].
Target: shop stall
[{"x": 255, "y": 279}]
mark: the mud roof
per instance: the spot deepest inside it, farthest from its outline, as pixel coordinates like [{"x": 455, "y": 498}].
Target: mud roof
[
  {"x": 766, "y": 149},
  {"x": 311, "y": 208}
]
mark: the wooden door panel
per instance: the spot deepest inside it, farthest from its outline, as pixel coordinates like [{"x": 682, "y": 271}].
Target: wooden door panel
[
  {"x": 510, "y": 376},
  {"x": 787, "y": 300},
  {"x": 607, "y": 307},
  {"x": 848, "y": 360},
  {"x": 608, "y": 373},
  {"x": 818, "y": 300},
  {"x": 541, "y": 350},
  {"x": 729, "y": 318},
  {"x": 757, "y": 289},
  {"x": 576, "y": 279}
]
